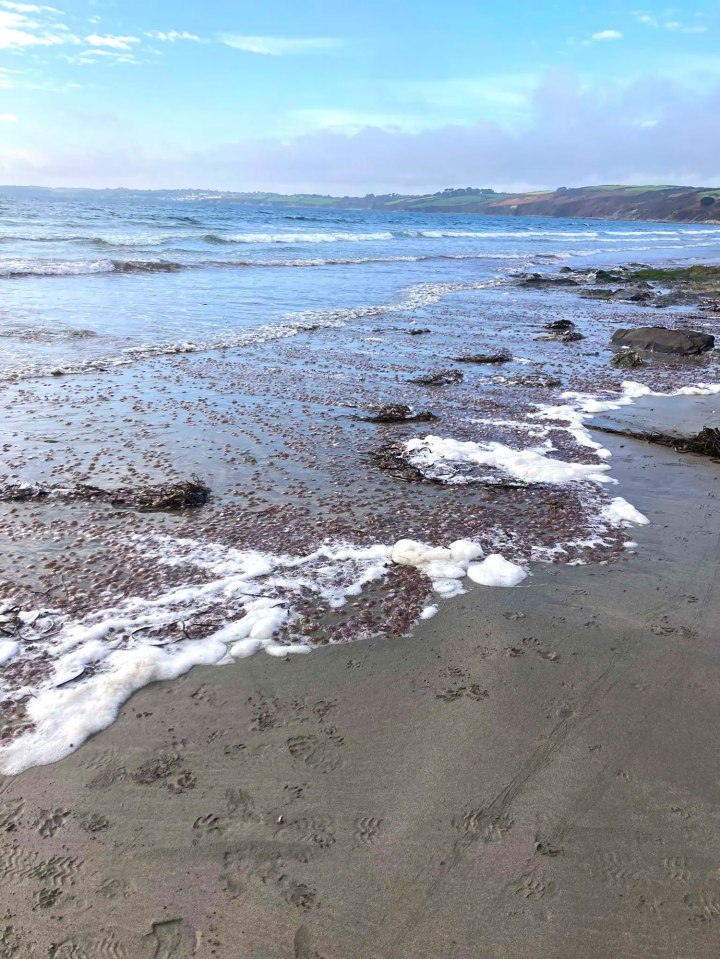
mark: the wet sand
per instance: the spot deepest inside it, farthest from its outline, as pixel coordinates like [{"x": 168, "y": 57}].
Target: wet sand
[{"x": 534, "y": 773}]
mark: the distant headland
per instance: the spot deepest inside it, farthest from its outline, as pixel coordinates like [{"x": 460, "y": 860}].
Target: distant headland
[{"x": 610, "y": 202}]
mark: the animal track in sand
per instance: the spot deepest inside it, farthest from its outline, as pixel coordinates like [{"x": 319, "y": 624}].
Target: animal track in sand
[
  {"x": 171, "y": 939},
  {"x": 704, "y": 905},
  {"x": 10, "y": 814},
  {"x": 50, "y": 821},
  {"x": 183, "y": 783},
  {"x": 68, "y": 950},
  {"x": 535, "y": 886},
  {"x": 478, "y": 823},
  {"x": 45, "y": 898},
  {"x": 10, "y": 942},
  {"x": 677, "y": 867},
  {"x": 610, "y": 867},
  {"x": 207, "y": 827},
  {"x": 320, "y": 754},
  {"x": 318, "y": 832},
  {"x": 102, "y": 759},
  {"x": 114, "y": 888},
  {"x": 266, "y": 863},
  {"x": 241, "y": 806},
  {"x": 367, "y": 828},
  {"x": 93, "y": 823},
  {"x": 156, "y": 769}
]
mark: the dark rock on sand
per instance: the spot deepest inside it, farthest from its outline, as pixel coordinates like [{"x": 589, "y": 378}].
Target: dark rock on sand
[
  {"x": 504, "y": 356},
  {"x": 607, "y": 276},
  {"x": 534, "y": 382},
  {"x": 627, "y": 359},
  {"x": 563, "y": 331},
  {"x": 439, "y": 378},
  {"x": 560, "y": 326},
  {"x": 399, "y": 413},
  {"x": 540, "y": 281},
  {"x": 659, "y": 339},
  {"x": 638, "y": 293},
  {"x": 418, "y": 331}
]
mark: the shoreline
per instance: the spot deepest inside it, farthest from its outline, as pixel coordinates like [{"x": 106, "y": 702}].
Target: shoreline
[{"x": 530, "y": 774}]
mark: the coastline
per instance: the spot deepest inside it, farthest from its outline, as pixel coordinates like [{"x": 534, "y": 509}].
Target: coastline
[{"x": 532, "y": 773}]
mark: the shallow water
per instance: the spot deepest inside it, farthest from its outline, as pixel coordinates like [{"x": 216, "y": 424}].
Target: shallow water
[{"x": 255, "y": 372}]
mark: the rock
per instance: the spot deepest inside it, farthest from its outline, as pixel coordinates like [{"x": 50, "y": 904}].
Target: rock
[
  {"x": 504, "y": 356},
  {"x": 534, "y": 382},
  {"x": 560, "y": 326},
  {"x": 569, "y": 336},
  {"x": 538, "y": 280},
  {"x": 627, "y": 359},
  {"x": 418, "y": 331},
  {"x": 399, "y": 413},
  {"x": 638, "y": 293},
  {"x": 659, "y": 339},
  {"x": 607, "y": 276},
  {"x": 439, "y": 378}
]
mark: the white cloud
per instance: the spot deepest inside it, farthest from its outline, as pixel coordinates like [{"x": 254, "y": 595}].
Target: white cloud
[
  {"x": 680, "y": 28},
  {"x": 8, "y": 118},
  {"x": 172, "y": 36},
  {"x": 17, "y": 31},
  {"x": 27, "y": 7},
  {"x": 115, "y": 43},
  {"x": 280, "y": 46},
  {"x": 603, "y": 35},
  {"x": 646, "y": 18}
]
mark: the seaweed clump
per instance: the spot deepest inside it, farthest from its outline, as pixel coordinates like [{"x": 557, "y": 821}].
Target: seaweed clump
[
  {"x": 704, "y": 443},
  {"x": 170, "y": 497}
]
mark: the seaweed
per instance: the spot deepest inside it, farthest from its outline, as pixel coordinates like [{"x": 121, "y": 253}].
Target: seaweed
[
  {"x": 399, "y": 413},
  {"x": 503, "y": 356},
  {"x": 704, "y": 443},
  {"x": 439, "y": 378},
  {"x": 181, "y": 495}
]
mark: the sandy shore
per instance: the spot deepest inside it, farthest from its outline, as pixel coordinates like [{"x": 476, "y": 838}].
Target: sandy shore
[{"x": 533, "y": 774}]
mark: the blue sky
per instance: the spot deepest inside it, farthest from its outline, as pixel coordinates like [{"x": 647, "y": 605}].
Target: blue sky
[{"x": 373, "y": 96}]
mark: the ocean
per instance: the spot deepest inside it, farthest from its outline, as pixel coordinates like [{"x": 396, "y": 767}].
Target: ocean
[{"x": 146, "y": 342}]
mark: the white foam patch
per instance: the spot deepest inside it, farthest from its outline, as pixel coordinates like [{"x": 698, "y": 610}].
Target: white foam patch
[
  {"x": 531, "y": 465},
  {"x": 619, "y": 511},
  {"x": 8, "y": 650},
  {"x": 495, "y": 570},
  {"x": 429, "y": 612}
]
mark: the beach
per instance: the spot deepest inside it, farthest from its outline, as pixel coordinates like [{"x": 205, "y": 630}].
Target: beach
[
  {"x": 427, "y": 764},
  {"x": 530, "y": 774}
]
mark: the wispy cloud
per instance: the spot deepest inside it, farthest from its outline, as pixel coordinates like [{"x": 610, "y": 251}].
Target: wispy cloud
[
  {"x": 604, "y": 35},
  {"x": 647, "y": 19},
  {"x": 8, "y": 118},
  {"x": 115, "y": 43},
  {"x": 678, "y": 27},
  {"x": 17, "y": 30},
  {"x": 280, "y": 46},
  {"x": 172, "y": 36},
  {"x": 27, "y": 7},
  {"x": 675, "y": 26}
]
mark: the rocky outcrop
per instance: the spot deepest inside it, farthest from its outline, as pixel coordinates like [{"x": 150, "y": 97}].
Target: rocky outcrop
[
  {"x": 439, "y": 378},
  {"x": 659, "y": 339},
  {"x": 503, "y": 356}
]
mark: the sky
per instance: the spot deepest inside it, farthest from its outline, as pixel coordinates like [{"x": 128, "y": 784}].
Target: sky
[{"x": 406, "y": 96}]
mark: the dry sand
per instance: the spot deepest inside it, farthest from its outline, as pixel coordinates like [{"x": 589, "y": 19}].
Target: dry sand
[{"x": 533, "y": 774}]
